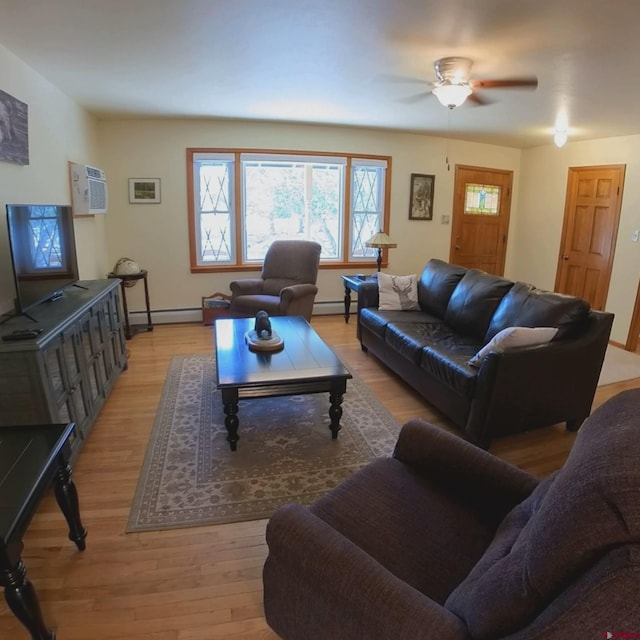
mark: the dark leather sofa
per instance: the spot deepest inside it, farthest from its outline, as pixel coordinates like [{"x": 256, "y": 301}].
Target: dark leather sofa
[{"x": 513, "y": 390}]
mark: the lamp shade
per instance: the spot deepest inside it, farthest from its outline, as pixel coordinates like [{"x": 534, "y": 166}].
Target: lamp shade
[
  {"x": 381, "y": 241},
  {"x": 451, "y": 94}
]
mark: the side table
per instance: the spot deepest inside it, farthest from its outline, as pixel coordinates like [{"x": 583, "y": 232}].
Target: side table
[
  {"x": 130, "y": 331},
  {"x": 353, "y": 283},
  {"x": 31, "y": 457}
]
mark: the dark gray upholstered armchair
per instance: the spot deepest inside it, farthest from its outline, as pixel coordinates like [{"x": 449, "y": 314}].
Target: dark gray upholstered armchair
[
  {"x": 287, "y": 286},
  {"x": 444, "y": 540}
]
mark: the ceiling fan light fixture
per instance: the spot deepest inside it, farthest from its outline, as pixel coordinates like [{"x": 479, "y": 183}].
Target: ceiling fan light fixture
[
  {"x": 560, "y": 137},
  {"x": 452, "y": 95}
]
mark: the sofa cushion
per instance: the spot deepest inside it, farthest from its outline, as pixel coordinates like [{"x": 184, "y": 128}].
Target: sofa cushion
[
  {"x": 527, "y": 306},
  {"x": 376, "y": 321},
  {"x": 409, "y": 338},
  {"x": 448, "y": 362},
  {"x": 474, "y": 301},
  {"x": 570, "y": 520},
  {"x": 397, "y": 293},
  {"x": 436, "y": 284},
  {"x": 514, "y": 337}
]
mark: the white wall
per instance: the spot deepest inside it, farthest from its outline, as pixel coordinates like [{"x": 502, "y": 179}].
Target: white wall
[
  {"x": 156, "y": 236},
  {"x": 537, "y": 230},
  {"x": 59, "y": 131}
]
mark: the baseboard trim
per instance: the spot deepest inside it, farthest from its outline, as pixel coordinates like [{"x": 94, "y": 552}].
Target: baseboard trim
[{"x": 176, "y": 316}]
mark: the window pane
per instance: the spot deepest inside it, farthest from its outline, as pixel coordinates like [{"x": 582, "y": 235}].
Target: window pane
[
  {"x": 367, "y": 190},
  {"x": 292, "y": 200},
  {"x": 482, "y": 199},
  {"x": 294, "y": 195},
  {"x": 214, "y": 212}
]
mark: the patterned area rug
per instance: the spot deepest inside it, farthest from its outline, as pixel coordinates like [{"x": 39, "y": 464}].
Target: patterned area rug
[{"x": 190, "y": 477}]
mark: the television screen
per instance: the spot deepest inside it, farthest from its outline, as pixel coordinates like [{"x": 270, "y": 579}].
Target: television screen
[{"x": 43, "y": 251}]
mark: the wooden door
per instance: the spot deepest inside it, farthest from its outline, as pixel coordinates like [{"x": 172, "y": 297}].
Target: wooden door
[
  {"x": 589, "y": 232},
  {"x": 481, "y": 207}
]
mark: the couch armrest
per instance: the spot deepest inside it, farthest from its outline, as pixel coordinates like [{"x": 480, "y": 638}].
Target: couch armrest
[
  {"x": 527, "y": 387},
  {"x": 248, "y": 286},
  {"x": 297, "y": 291},
  {"x": 466, "y": 470},
  {"x": 368, "y": 295},
  {"x": 320, "y": 585}
]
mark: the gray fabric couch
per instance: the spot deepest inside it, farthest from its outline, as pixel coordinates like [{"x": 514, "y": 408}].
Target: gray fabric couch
[
  {"x": 286, "y": 286},
  {"x": 444, "y": 540},
  {"x": 514, "y": 389}
]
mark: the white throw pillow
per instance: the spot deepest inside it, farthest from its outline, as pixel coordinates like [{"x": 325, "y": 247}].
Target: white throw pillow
[
  {"x": 514, "y": 337},
  {"x": 397, "y": 293}
]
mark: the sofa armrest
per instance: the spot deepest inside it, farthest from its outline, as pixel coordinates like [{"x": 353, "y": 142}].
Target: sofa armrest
[
  {"x": 297, "y": 291},
  {"x": 319, "y": 585},
  {"x": 528, "y": 387},
  {"x": 368, "y": 295},
  {"x": 466, "y": 470},
  {"x": 248, "y": 286}
]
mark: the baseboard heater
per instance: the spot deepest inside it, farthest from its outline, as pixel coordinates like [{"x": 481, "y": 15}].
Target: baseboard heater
[{"x": 175, "y": 316}]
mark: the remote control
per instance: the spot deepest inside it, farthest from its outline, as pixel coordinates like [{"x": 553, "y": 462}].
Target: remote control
[{"x": 22, "y": 334}]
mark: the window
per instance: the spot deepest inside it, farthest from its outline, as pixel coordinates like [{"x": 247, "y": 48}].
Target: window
[
  {"x": 482, "y": 199},
  {"x": 239, "y": 202}
]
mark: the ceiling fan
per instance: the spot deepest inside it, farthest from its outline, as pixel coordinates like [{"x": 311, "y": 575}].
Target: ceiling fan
[{"x": 454, "y": 84}]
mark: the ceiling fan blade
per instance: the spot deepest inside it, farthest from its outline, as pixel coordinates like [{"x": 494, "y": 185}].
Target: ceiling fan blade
[
  {"x": 510, "y": 83},
  {"x": 416, "y": 98},
  {"x": 478, "y": 100},
  {"x": 394, "y": 79}
]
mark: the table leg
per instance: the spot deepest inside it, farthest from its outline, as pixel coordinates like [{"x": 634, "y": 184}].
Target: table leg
[
  {"x": 67, "y": 498},
  {"x": 347, "y": 303},
  {"x": 335, "y": 409},
  {"x": 147, "y": 303},
  {"x": 231, "y": 422},
  {"x": 127, "y": 329},
  {"x": 23, "y": 601}
]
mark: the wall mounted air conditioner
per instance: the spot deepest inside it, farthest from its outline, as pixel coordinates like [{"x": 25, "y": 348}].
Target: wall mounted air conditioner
[{"x": 88, "y": 189}]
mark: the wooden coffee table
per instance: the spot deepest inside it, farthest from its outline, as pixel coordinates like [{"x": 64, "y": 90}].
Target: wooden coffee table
[{"x": 305, "y": 365}]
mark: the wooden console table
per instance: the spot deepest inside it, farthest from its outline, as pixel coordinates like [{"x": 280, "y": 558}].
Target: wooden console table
[
  {"x": 31, "y": 457},
  {"x": 353, "y": 283},
  {"x": 125, "y": 280}
]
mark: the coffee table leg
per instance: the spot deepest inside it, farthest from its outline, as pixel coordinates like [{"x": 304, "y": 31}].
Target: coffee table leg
[
  {"x": 335, "y": 410},
  {"x": 231, "y": 422},
  {"x": 23, "y": 601},
  {"x": 67, "y": 498}
]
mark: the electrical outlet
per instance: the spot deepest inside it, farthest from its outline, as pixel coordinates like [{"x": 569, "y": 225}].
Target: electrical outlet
[{"x": 635, "y": 236}]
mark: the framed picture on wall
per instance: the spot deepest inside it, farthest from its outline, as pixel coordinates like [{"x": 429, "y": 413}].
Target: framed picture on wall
[
  {"x": 14, "y": 130},
  {"x": 144, "y": 190},
  {"x": 421, "y": 201}
]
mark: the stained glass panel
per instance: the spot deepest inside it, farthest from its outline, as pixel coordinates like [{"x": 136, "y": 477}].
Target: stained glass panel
[{"x": 482, "y": 199}]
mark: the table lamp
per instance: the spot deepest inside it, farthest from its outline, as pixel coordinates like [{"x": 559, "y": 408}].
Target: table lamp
[{"x": 380, "y": 241}]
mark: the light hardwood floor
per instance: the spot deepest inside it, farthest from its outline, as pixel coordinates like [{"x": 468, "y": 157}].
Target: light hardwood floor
[{"x": 199, "y": 583}]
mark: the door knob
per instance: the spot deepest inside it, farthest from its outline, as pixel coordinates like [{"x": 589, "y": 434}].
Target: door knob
[{"x": 565, "y": 257}]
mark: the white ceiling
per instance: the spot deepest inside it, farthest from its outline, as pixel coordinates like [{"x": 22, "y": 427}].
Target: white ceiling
[{"x": 338, "y": 61}]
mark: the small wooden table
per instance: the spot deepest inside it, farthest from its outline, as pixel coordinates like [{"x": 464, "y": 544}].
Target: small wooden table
[
  {"x": 31, "y": 457},
  {"x": 125, "y": 280},
  {"x": 353, "y": 283},
  {"x": 305, "y": 365}
]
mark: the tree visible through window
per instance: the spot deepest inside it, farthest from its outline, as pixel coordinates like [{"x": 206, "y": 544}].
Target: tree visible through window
[{"x": 242, "y": 201}]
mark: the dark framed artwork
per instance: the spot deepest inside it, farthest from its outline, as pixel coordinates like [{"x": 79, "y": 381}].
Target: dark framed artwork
[
  {"x": 14, "y": 129},
  {"x": 421, "y": 202}
]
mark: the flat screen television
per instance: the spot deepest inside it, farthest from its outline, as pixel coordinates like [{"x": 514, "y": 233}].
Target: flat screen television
[{"x": 43, "y": 252}]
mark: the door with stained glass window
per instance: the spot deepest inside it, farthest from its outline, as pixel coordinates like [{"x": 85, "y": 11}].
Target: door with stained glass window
[{"x": 480, "y": 225}]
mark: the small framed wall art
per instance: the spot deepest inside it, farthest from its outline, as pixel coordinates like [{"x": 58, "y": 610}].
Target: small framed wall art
[
  {"x": 421, "y": 202},
  {"x": 144, "y": 190},
  {"x": 14, "y": 130}
]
